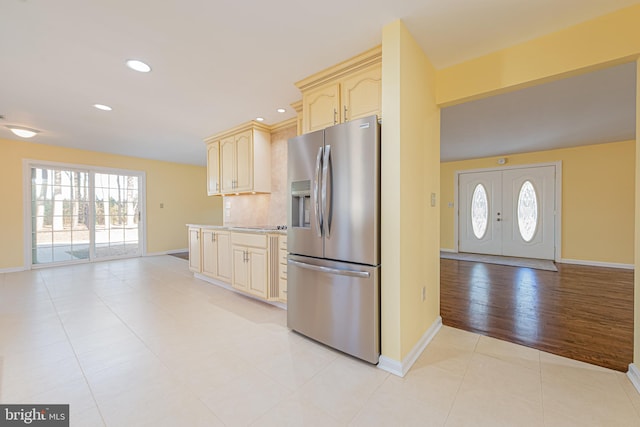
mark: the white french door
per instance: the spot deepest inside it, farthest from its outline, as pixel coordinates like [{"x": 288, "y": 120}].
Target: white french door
[
  {"x": 508, "y": 212},
  {"x": 79, "y": 214}
]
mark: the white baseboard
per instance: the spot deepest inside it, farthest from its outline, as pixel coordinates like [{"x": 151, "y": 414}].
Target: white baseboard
[
  {"x": 13, "y": 269},
  {"x": 401, "y": 368},
  {"x": 596, "y": 263},
  {"x": 634, "y": 375},
  {"x": 177, "y": 251},
  {"x": 232, "y": 289},
  {"x": 169, "y": 252},
  {"x": 453, "y": 251}
]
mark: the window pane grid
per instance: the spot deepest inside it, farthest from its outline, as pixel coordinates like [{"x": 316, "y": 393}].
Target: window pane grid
[{"x": 64, "y": 212}]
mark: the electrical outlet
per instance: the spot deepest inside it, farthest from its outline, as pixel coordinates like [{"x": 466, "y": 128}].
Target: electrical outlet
[
  {"x": 433, "y": 199},
  {"x": 161, "y": 205},
  {"x": 424, "y": 293}
]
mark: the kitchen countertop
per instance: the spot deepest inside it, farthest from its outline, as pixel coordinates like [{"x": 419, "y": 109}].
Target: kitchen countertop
[{"x": 246, "y": 229}]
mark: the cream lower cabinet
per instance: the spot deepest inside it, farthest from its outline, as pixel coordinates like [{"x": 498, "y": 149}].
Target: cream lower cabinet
[
  {"x": 216, "y": 259},
  {"x": 250, "y": 263},
  {"x": 194, "y": 250},
  {"x": 282, "y": 270}
]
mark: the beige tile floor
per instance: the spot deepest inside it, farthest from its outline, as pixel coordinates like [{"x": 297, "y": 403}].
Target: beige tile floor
[{"x": 142, "y": 343}]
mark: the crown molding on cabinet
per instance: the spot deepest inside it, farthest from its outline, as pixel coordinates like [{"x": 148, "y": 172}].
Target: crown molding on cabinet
[{"x": 364, "y": 60}]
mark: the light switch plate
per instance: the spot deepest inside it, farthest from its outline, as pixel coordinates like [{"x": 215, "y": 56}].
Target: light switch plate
[{"x": 433, "y": 199}]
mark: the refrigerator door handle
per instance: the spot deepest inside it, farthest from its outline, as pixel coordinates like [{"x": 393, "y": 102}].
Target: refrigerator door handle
[
  {"x": 316, "y": 190},
  {"x": 326, "y": 209},
  {"x": 329, "y": 270}
]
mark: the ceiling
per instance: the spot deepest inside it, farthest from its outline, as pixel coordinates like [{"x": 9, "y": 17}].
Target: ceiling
[
  {"x": 218, "y": 64},
  {"x": 593, "y": 108}
]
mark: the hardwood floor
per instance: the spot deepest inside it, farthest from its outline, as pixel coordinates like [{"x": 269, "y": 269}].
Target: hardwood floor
[{"x": 581, "y": 312}]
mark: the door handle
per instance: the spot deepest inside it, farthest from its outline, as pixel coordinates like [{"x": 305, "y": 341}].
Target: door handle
[
  {"x": 316, "y": 189},
  {"x": 326, "y": 209},
  {"x": 329, "y": 270}
]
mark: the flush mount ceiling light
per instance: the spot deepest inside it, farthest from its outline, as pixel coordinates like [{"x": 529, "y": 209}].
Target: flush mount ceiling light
[
  {"x": 22, "y": 131},
  {"x": 137, "y": 65},
  {"x": 281, "y": 110},
  {"x": 260, "y": 119},
  {"x": 102, "y": 107}
]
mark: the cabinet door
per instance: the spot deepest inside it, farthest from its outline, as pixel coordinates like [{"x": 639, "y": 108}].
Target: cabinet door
[
  {"x": 209, "y": 255},
  {"x": 321, "y": 107},
  {"x": 213, "y": 168},
  {"x": 258, "y": 272},
  {"x": 244, "y": 161},
  {"x": 194, "y": 249},
  {"x": 227, "y": 162},
  {"x": 223, "y": 257},
  {"x": 362, "y": 94},
  {"x": 240, "y": 269}
]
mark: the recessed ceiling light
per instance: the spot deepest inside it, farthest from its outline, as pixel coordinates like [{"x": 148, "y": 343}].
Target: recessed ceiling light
[
  {"x": 137, "y": 65},
  {"x": 102, "y": 107},
  {"x": 22, "y": 131},
  {"x": 281, "y": 110},
  {"x": 260, "y": 119}
]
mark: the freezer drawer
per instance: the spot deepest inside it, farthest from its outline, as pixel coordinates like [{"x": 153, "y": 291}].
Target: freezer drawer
[{"x": 335, "y": 303}]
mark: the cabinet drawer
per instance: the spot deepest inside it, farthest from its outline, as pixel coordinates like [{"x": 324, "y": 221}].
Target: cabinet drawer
[
  {"x": 282, "y": 256},
  {"x": 283, "y": 243},
  {"x": 283, "y": 286},
  {"x": 248, "y": 239}
]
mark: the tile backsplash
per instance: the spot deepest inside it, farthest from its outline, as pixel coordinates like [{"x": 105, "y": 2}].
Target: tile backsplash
[{"x": 264, "y": 209}]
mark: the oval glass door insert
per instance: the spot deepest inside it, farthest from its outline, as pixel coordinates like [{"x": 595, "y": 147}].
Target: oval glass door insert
[
  {"x": 527, "y": 211},
  {"x": 479, "y": 211}
]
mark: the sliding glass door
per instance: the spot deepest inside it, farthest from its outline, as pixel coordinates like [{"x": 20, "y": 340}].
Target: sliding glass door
[
  {"x": 117, "y": 216},
  {"x": 83, "y": 215}
]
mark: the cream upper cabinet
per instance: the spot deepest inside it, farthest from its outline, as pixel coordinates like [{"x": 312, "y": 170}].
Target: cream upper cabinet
[
  {"x": 227, "y": 165},
  {"x": 346, "y": 91},
  {"x": 361, "y": 94},
  {"x": 244, "y": 159},
  {"x": 321, "y": 107},
  {"x": 213, "y": 168}
]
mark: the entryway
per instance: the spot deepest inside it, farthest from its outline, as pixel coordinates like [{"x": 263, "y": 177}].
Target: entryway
[{"x": 510, "y": 211}]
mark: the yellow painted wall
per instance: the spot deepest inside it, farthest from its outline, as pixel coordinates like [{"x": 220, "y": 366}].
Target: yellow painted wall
[
  {"x": 636, "y": 314},
  {"x": 182, "y": 189},
  {"x": 598, "y": 198},
  {"x": 410, "y": 167},
  {"x": 604, "y": 41}
]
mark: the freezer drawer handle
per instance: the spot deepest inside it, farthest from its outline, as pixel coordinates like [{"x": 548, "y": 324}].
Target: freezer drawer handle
[{"x": 352, "y": 273}]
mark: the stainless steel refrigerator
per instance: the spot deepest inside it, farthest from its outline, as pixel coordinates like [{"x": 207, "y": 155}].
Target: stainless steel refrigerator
[{"x": 333, "y": 237}]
